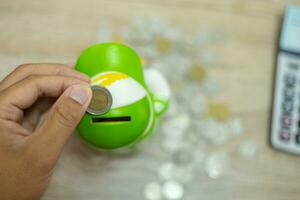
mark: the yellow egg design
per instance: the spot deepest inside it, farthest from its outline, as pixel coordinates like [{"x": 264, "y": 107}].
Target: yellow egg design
[{"x": 124, "y": 89}]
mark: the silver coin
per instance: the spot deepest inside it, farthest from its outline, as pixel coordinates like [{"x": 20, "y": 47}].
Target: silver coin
[
  {"x": 166, "y": 171},
  {"x": 101, "y": 101},
  {"x": 152, "y": 191},
  {"x": 217, "y": 164},
  {"x": 248, "y": 149},
  {"x": 173, "y": 190}
]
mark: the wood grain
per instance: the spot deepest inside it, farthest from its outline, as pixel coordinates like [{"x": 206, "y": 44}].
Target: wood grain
[{"x": 57, "y": 30}]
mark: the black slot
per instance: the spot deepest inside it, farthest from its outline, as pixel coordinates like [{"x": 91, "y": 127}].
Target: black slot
[{"x": 111, "y": 119}]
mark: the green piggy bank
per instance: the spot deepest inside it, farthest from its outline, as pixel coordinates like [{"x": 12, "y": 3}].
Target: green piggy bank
[{"x": 138, "y": 97}]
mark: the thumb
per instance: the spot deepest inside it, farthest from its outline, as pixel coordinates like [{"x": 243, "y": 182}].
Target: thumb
[{"x": 63, "y": 117}]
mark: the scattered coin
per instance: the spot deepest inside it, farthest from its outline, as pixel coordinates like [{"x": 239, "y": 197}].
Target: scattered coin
[
  {"x": 166, "y": 171},
  {"x": 198, "y": 73},
  {"x": 218, "y": 110},
  {"x": 184, "y": 174},
  {"x": 164, "y": 45},
  {"x": 216, "y": 164},
  {"x": 152, "y": 191},
  {"x": 183, "y": 156},
  {"x": 213, "y": 131},
  {"x": 173, "y": 190},
  {"x": 248, "y": 149}
]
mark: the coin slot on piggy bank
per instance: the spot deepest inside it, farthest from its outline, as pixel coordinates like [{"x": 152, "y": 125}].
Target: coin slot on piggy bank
[{"x": 111, "y": 119}]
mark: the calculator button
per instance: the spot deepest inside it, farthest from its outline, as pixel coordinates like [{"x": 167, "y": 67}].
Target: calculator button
[
  {"x": 290, "y": 80},
  {"x": 286, "y": 121},
  {"x": 297, "y": 139},
  {"x": 293, "y": 65},
  {"x": 285, "y": 135},
  {"x": 289, "y": 94},
  {"x": 287, "y": 107}
]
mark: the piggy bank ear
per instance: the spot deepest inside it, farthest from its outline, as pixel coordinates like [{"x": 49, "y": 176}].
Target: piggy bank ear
[{"x": 159, "y": 88}]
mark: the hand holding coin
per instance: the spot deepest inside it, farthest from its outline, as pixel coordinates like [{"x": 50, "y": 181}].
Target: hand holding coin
[{"x": 36, "y": 120}]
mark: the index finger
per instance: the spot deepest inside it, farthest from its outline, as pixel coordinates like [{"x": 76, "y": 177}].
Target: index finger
[
  {"x": 26, "y": 92},
  {"x": 26, "y": 70}
]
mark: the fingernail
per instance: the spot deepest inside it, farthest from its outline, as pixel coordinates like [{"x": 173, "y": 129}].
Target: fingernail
[{"x": 80, "y": 94}]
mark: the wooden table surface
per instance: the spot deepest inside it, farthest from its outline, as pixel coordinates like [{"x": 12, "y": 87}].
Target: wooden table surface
[{"x": 57, "y": 30}]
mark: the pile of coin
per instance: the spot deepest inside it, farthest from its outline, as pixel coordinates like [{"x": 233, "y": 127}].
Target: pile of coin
[{"x": 196, "y": 128}]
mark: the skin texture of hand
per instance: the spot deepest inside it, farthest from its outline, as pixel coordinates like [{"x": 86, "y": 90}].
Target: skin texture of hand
[{"x": 30, "y": 145}]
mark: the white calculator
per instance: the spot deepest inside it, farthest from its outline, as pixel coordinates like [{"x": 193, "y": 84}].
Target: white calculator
[{"x": 285, "y": 126}]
